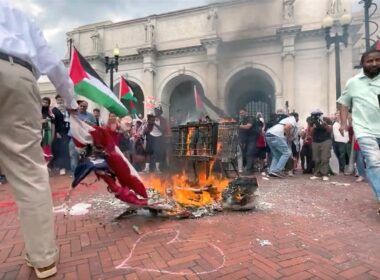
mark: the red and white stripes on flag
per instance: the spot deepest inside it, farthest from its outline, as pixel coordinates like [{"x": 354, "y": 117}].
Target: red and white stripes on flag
[{"x": 80, "y": 131}]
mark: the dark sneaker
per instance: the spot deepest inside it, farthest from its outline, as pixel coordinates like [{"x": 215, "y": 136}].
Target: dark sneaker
[{"x": 275, "y": 175}]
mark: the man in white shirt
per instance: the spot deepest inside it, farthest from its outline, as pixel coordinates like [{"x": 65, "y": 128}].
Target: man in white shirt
[
  {"x": 24, "y": 55},
  {"x": 277, "y": 138},
  {"x": 340, "y": 146}
]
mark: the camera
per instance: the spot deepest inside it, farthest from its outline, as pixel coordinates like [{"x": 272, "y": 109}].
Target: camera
[{"x": 316, "y": 119}]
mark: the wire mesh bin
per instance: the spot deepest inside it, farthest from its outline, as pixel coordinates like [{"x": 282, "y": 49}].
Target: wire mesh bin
[
  {"x": 195, "y": 140},
  {"x": 228, "y": 134},
  {"x": 206, "y": 140}
]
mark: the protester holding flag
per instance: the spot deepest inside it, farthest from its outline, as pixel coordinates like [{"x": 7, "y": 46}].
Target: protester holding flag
[
  {"x": 48, "y": 128},
  {"x": 127, "y": 95},
  {"x": 24, "y": 56}
]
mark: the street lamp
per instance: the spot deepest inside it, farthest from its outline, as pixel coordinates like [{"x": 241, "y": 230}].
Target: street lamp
[
  {"x": 328, "y": 23},
  {"x": 112, "y": 64},
  {"x": 367, "y": 20}
]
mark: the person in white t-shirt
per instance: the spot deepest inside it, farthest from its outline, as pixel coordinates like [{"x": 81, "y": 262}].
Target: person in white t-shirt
[
  {"x": 277, "y": 138},
  {"x": 340, "y": 144}
]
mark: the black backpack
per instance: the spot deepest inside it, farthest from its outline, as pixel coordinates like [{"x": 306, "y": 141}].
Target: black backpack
[{"x": 275, "y": 120}]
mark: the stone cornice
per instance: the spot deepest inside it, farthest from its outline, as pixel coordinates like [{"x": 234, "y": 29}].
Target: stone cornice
[
  {"x": 130, "y": 58},
  {"x": 207, "y": 42},
  {"x": 312, "y": 33},
  {"x": 266, "y": 39},
  {"x": 142, "y": 51},
  {"x": 289, "y": 30},
  {"x": 149, "y": 50},
  {"x": 182, "y": 51},
  {"x": 211, "y": 41},
  {"x": 97, "y": 58}
]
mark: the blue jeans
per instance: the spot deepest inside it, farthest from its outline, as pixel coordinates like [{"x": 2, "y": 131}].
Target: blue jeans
[
  {"x": 280, "y": 152},
  {"x": 74, "y": 156},
  {"x": 370, "y": 148},
  {"x": 360, "y": 165}
]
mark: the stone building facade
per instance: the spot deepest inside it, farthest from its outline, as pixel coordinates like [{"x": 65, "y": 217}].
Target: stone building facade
[{"x": 264, "y": 55}]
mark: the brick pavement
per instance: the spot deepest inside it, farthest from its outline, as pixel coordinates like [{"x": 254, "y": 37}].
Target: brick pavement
[{"x": 302, "y": 229}]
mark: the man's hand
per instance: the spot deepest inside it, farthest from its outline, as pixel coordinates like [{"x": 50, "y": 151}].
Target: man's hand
[
  {"x": 72, "y": 111},
  {"x": 58, "y": 135},
  {"x": 343, "y": 128}
]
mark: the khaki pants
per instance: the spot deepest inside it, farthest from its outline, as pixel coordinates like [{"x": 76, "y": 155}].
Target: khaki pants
[
  {"x": 321, "y": 157},
  {"x": 22, "y": 161}
]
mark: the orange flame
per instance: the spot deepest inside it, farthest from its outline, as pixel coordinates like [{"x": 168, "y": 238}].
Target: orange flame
[
  {"x": 190, "y": 134},
  {"x": 187, "y": 193}
]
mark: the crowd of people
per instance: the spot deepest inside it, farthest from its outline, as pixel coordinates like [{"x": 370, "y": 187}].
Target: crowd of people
[
  {"x": 282, "y": 145},
  {"x": 277, "y": 147},
  {"x": 25, "y": 55},
  {"x": 143, "y": 141}
]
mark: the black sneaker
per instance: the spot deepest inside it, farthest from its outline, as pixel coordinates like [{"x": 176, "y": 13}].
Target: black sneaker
[{"x": 275, "y": 175}]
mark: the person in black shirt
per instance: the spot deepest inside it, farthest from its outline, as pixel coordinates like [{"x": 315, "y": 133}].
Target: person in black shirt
[
  {"x": 60, "y": 145},
  {"x": 98, "y": 121},
  {"x": 321, "y": 145},
  {"x": 248, "y": 133}
]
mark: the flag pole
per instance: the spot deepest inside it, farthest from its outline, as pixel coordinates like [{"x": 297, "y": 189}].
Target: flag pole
[
  {"x": 70, "y": 48},
  {"x": 120, "y": 86}
]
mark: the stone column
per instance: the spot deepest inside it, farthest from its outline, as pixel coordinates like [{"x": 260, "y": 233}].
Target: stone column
[
  {"x": 288, "y": 36},
  {"x": 149, "y": 61},
  {"x": 211, "y": 45},
  {"x": 288, "y": 80},
  {"x": 331, "y": 90}
]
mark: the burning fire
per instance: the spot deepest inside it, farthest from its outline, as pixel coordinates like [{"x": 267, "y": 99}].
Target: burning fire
[
  {"x": 190, "y": 135},
  {"x": 196, "y": 144},
  {"x": 187, "y": 193}
]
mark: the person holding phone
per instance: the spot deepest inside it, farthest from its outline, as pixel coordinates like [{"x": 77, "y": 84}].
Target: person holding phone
[{"x": 361, "y": 95}]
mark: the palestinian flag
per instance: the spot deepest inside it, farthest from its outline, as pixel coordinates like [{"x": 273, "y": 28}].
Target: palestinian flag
[
  {"x": 87, "y": 83},
  {"x": 376, "y": 46},
  {"x": 126, "y": 94},
  {"x": 199, "y": 106},
  {"x": 205, "y": 108},
  {"x": 198, "y": 100}
]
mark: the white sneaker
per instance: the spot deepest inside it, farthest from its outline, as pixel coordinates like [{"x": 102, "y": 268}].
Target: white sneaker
[
  {"x": 62, "y": 171},
  {"x": 290, "y": 174},
  {"x": 325, "y": 178},
  {"x": 359, "y": 179},
  {"x": 315, "y": 178},
  {"x": 46, "y": 272}
]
